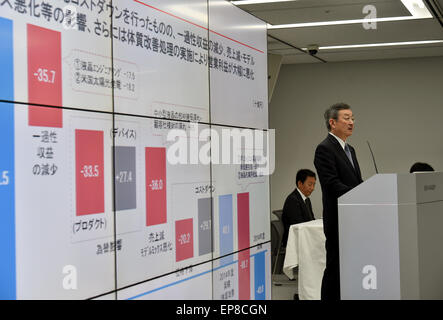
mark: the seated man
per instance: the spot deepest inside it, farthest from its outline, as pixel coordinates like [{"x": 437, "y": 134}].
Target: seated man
[{"x": 297, "y": 207}]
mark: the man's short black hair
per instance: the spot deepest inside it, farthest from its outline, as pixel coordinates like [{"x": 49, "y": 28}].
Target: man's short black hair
[
  {"x": 303, "y": 174},
  {"x": 420, "y": 166}
]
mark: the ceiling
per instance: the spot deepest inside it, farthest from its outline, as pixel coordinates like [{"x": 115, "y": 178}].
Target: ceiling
[{"x": 292, "y": 43}]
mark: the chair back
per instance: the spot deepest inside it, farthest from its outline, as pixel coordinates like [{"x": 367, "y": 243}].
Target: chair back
[
  {"x": 277, "y": 230},
  {"x": 274, "y": 243},
  {"x": 278, "y": 213}
]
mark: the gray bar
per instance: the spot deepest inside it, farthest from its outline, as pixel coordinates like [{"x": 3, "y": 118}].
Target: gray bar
[
  {"x": 125, "y": 178},
  {"x": 204, "y": 226}
]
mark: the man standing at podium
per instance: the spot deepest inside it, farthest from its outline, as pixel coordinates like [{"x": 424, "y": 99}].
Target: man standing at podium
[{"x": 338, "y": 172}]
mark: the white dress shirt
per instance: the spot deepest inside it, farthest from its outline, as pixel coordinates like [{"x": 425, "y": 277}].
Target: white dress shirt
[
  {"x": 342, "y": 143},
  {"x": 302, "y": 195}
]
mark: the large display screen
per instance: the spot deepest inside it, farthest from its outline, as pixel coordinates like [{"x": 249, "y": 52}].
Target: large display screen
[{"x": 125, "y": 170}]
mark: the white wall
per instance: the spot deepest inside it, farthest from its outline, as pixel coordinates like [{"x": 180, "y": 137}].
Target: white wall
[{"x": 398, "y": 106}]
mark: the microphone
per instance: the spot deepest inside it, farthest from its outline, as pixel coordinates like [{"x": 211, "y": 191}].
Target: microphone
[{"x": 373, "y": 159}]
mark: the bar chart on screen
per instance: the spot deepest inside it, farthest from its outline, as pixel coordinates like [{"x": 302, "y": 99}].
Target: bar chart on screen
[{"x": 91, "y": 192}]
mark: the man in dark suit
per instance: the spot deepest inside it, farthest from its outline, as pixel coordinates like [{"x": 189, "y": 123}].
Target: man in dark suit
[
  {"x": 338, "y": 172},
  {"x": 297, "y": 207}
]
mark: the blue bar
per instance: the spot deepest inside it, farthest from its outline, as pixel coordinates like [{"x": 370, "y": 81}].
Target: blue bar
[
  {"x": 260, "y": 276},
  {"x": 226, "y": 228},
  {"x": 6, "y": 60},
  {"x": 7, "y": 185}
]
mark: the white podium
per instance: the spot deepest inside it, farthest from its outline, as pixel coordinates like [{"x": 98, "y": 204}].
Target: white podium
[{"x": 391, "y": 237}]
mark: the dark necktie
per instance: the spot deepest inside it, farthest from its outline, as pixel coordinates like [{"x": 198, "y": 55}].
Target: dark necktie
[
  {"x": 348, "y": 153},
  {"x": 309, "y": 206}
]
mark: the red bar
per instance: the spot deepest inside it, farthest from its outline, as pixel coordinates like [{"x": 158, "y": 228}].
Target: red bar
[
  {"x": 155, "y": 186},
  {"x": 244, "y": 278},
  {"x": 243, "y": 220},
  {"x": 184, "y": 239},
  {"x": 89, "y": 164},
  {"x": 44, "y": 76}
]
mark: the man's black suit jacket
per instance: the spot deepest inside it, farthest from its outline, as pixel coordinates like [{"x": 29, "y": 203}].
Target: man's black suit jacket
[
  {"x": 337, "y": 176},
  {"x": 295, "y": 211}
]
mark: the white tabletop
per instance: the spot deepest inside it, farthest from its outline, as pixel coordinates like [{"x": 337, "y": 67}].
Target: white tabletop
[{"x": 306, "y": 249}]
